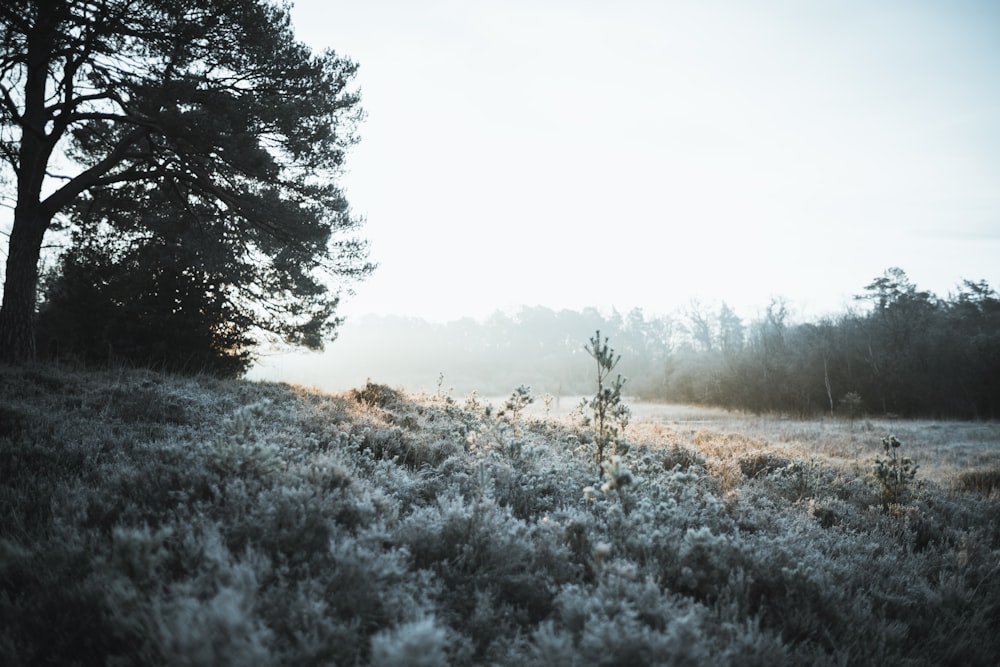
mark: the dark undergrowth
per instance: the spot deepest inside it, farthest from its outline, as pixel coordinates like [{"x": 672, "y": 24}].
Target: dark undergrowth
[{"x": 153, "y": 520}]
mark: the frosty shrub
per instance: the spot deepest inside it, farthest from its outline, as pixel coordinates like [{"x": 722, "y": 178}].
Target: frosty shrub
[
  {"x": 894, "y": 472},
  {"x": 376, "y": 395},
  {"x": 262, "y": 524},
  {"x": 516, "y": 403},
  {"x": 705, "y": 561},
  {"x": 617, "y": 480},
  {"x": 417, "y": 644},
  {"x": 240, "y": 448}
]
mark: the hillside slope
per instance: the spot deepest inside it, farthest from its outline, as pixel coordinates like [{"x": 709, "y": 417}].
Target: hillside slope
[{"x": 148, "y": 519}]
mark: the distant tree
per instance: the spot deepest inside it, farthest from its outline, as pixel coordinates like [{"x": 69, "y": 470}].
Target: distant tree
[
  {"x": 898, "y": 349},
  {"x": 976, "y": 307},
  {"x": 974, "y": 359},
  {"x": 776, "y": 322},
  {"x": 764, "y": 363},
  {"x": 126, "y": 118},
  {"x": 810, "y": 356},
  {"x": 645, "y": 343},
  {"x": 730, "y": 330},
  {"x": 699, "y": 326}
]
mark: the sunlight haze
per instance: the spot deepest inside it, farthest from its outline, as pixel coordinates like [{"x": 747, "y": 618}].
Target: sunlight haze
[{"x": 574, "y": 154}]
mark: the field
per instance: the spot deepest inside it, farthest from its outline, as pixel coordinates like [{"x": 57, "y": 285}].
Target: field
[
  {"x": 148, "y": 519},
  {"x": 945, "y": 449}
]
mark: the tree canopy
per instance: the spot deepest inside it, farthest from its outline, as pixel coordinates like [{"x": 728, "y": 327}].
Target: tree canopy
[{"x": 200, "y": 133}]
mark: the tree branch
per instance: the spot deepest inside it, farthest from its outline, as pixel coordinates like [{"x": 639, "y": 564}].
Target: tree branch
[
  {"x": 88, "y": 178},
  {"x": 9, "y": 103}
]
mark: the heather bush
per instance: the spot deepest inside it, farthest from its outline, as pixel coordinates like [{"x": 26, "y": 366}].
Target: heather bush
[
  {"x": 416, "y": 644},
  {"x": 213, "y": 522}
]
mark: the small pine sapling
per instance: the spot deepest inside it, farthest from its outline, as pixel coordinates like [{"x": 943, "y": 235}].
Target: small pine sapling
[
  {"x": 610, "y": 414},
  {"x": 547, "y": 400},
  {"x": 518, "y": 401}
]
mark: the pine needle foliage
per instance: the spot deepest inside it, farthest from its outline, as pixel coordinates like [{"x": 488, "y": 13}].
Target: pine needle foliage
[{"x": 609, "y": 414}]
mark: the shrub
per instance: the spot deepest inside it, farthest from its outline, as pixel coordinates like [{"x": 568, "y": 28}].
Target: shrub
[
  {"x": 894, "y": 472},
  {"x": 617, "y": 479},
  {"x": 517, "y": 402},
  {"x": 376, "y": 395},
  {"x": 416, "y": 644},
  {"x": 986, "y": 482},
  {"x": 276, "y": 526}
]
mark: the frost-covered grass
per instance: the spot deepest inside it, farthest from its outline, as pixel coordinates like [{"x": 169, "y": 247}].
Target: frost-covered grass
[
  {"x": 147, "y": 519},
  {"x": 944, "y": 448}
]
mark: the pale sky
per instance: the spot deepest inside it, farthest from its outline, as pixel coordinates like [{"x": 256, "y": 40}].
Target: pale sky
[{"x": 635, "y": 153}]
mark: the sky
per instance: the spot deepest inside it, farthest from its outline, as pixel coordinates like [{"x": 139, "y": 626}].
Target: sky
[{"x": 585, "y": 153}]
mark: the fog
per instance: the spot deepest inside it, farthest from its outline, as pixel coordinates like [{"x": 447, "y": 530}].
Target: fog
[
  {"x": 537, "y": 347},
  {"x": 900, "y": 350}
]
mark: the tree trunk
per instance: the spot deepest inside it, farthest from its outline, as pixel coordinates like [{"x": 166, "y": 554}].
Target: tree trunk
[
  {"x": 31, "y": 216},
  {"x": 17, "y": 314},
  {"x": 826, "y": 383}
]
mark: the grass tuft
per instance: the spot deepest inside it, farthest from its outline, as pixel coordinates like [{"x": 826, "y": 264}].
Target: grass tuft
[{"x": 986, "y": 482}]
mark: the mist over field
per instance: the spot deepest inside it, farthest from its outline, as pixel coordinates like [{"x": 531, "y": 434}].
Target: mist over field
[{"x": 900, "y": 350}]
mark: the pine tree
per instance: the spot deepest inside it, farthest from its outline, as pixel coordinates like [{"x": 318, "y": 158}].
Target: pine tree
[{"x": 127, "y": 118}]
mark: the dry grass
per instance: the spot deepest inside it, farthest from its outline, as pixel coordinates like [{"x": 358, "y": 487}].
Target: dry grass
[{"x": 944, "y": 450}]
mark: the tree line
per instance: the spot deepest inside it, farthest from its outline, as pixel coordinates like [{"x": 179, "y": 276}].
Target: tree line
[
  {"x": 906, "y": 352},
  {"x": 900, "y": 350}
]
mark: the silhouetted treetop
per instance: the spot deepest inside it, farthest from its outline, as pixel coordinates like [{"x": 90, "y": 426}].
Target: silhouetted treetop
[{"x": 131, "y": 118}]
